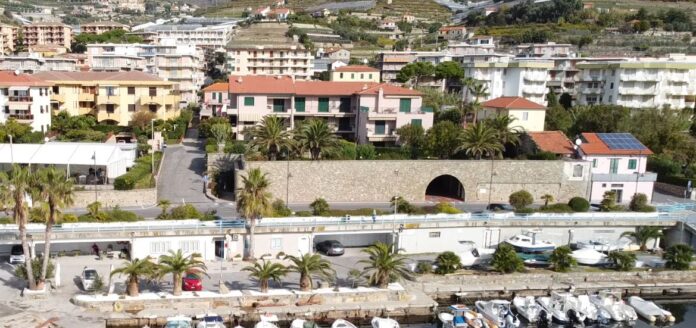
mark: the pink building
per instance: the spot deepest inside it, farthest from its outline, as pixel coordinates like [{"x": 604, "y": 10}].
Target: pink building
[
  {"x": 618, "y": 164},
  {"x": 215, "y": 100},
  {"x": 361, "y": 111}
]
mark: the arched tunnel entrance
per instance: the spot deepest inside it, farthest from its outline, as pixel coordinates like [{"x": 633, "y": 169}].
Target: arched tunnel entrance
[{"x": 445, "y": 187}]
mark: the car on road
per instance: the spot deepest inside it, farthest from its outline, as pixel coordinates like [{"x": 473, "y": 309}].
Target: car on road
[
  {"x": 17, "y": 255},
  {"x": 499, "y": 207},
  {"x": 191, "y": 282},
  {"x": 330, "y": 247},
  {"x": 88, "y": 277}
]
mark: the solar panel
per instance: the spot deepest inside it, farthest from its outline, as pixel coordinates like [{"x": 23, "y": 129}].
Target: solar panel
[{"x": 621, "y": 141}]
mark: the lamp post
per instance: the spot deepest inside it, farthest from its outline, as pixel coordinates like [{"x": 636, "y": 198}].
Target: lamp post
[
  {"x": 490, "y": 185},
  {"x": 94, "y": 158},
  {"x": 287, "y": 178},
  {"x": 11, "y": 152}
]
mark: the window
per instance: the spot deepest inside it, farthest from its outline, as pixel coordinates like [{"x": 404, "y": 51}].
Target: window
[
  {"x": 41, "y": 92},
  {"x": 369, "y": 76},
  {"x": 614, "y": 165},
  {"x": 110, "y": 91},
  {"x": 594, "y": 163},
  {"x": 417, "y": 122},
  {"x": 159, "y": 247},
  {"x": 525, "y": 116},
  {"x": 405, "y": 105},
  {"x": 362, "y": 76},
  {"x": 577, "y": 171},
  {"x": 131, "y": 90},
  {"x": 41, "y": 109},
  {"x": 152, "y": 91},
  {"x": 352, "y": 75},
  {"x": 188, "y": 246},
  {"x": 7, "y": 109},
  {"x": 324, "y": 105},
  {"x": 299, "y": 104},
  {"x": 340, "y": 75},
  {"x": 380, "y": 127},
  {"x": 6, "y": 92},
  {"x": 611, "y": 85},
  {"x": 434, "y": 234},
  {"x": 110, "y": 108},
  {"x": 344, "y": 106},
  {"x": 248, "y": 101},
  {"x": 152, "y": 108},
  {"x": 131, "y": 107},
  {"x": 611, "y": 98},
  {"x": 617, "y": 185},
  {"x": 632, "y": 164},
  {"x": 276, "y": 243}
]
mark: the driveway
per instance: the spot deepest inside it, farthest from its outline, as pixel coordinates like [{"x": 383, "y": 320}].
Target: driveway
[{"x": 181, "y": 178}]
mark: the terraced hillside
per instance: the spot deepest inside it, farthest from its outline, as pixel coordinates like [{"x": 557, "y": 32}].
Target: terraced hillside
[{"x": 419, "y": 8}]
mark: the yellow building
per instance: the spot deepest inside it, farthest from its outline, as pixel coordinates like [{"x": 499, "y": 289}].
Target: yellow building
[
  {"x": 8, "y": 38},
  {"x": 112, "y": 97},
  {"x": 355, "y": 73}
]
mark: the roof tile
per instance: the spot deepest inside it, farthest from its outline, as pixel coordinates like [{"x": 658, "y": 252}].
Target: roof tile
[
  {"x": 512, "y": 103},
  {"x": 10, "y": 79},
  {"x": 593, "y": 145},
  {"x": 552, "y": 141}
]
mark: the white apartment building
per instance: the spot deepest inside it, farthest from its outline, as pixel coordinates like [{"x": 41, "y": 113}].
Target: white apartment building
[
  {"x": 26, "y": 99},
  {"x": 33, "y": 62},
  {"x": 290, "y": 60},
  {"x": 391, "y": 62},
  {"x": 210, "y": 37},
  {"x": 510, "y": 78},
  {"x": 549, "y": 49},
  {"x": 646, "y": 83}
]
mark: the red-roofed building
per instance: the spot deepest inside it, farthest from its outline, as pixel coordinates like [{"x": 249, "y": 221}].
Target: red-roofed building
[
  {"x": 26, "y": 99},
  {"x": 452, "y": 32},
  {"x": 553, "y": 142},
  {"x": 215, "y": 100},
  {"x": 355, "y": 73},
  {"x": 529, "y": 116},
  {"x": 618, "y": 164},
  {"x": 362, "y": 111}
]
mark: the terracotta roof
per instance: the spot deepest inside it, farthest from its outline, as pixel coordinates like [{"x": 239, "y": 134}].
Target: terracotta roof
[
  {"x": 552, "y": 141},
  {"x": 391, "y": 90},
  {"x": 512, "y": 103},
  {"x": 264, "y": 84},
  {"x": 356, "y": 68},
  {"x": 219, "y": 86},
  {"x": 261, "y": 84},
  {"x": 593, "y": 145},
  {"x": 10, "y": 79},
  {"x": 136, "y": 76}
]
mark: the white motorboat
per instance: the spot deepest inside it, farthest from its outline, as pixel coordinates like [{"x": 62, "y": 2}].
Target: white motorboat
[
  {"x": 599, "y": 245},
  {"x": 592, "y": 312},
  {"x": 472, "y": 255},
  {"x": 301, "y": 323},
  {"x": 178, "y": 321},
  {"x": 614, "y": 305},
  {"x": 340, "y": 323},
  {"x": 461, "y": 316},
  {"x": 498, "y": 311},
  {"x": 267, "y": 321},
  {"x": 563, "y": 307},
  {"x": 210, "y": 320},
  {"x": 378, "y": 322},
  {"x": 530, "y": 309},
  {"x": 649, "y": 310},
  {"x": 530, "y": 244},
  {"x": 588, "y": 256}
]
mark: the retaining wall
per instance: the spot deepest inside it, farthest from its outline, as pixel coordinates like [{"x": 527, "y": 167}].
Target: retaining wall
[{"x": 111, "y": 198}]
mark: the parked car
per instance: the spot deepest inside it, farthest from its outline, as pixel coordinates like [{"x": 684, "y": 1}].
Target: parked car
[
  {"x": 499, "y": 207},
  {"x": 414, "y": 265},
  {"x": 330, "y": 247},
  {"x": 88, "y": 277},
  {"x": 17, "y": 254},
  {"x": 191, "y": 282}
]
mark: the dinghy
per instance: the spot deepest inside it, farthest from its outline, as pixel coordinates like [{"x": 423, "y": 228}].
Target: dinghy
[
  {"x": 649, "y": 310},
  {"x": 378, "y": 322},
  {"x": 210, "y": 320}
]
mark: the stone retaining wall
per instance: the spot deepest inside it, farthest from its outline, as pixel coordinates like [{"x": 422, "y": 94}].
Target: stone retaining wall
[
  {"x": 111, "y": 198},
  {"x": 670, "y": 189}
]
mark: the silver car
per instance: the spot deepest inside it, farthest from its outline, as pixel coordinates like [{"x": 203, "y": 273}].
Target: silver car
[
  {"x": 88, "y": 277},
  {"x": 17, "y": 255}
]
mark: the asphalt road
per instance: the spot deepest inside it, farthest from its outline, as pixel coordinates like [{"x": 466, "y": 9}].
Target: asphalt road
[{"x": 181, "y": 176}]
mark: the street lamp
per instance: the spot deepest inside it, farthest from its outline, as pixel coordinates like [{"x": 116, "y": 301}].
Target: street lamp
[
  {"x": 11, "y": 152},
  {"x": 490, "y": 185},
  {"x": 152, "y": 158}
]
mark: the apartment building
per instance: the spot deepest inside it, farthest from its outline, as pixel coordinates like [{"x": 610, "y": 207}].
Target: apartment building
[
  {"x": 647, "y": 83},
  {"x": 291, "y": 60},
  {"x": 179, "y": 63},
  {"x": 361, "y": 111},
  {"x": 391, "y": 62},
  {"x": 25, "y": 98},
  {"x": 101, "y": 27},
  {"x": 510, "y": 78},
  {"x": 112, "y": 97},
  {"x": 355, "y": 73},
  {"x": 8, "y": 38},
  {"x": 30, "y": 63},
  {"x": 207, "y": 37},
  {"x": 54, "y": 34},
  {"x": 549, "y": 49}
]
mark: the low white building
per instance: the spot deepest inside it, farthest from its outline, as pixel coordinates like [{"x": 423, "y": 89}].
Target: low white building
[
  {"x": 510, "y": 78},
  {"x": 26, "y": 99}
]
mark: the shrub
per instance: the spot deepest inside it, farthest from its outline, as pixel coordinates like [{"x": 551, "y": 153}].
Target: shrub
[
  {"x": 639, "y": 203},
  {"x": 505, "y": 259},
  {"x": 319, "y": 207},
  {"x": 447, "y": 208},
  {"x": 608, "y": 203},
  {"x": 579, "y": 204},
  {"x": 279, "y": 209},
  {"x": 526, "y": 210},
  {"x": 623, "y": 261},
  {"x": 346, "y": 150},
  {"x": 663, "y": 165},
  {"x": 36, "y": 263},
  {"x": 403, "y": 206},
  {"x": 209, "y": 215},
  {"x": 521, "y": 199},
  {"x": 140, "y": 175},
  {"x": 213, "y": 148},
  {"x": 186, "y": 211},
  {"x": 678, "y": 257},
  {"x": 556, "y": 208},
  {"x": 6, "y": 220},
  {"x": 542, "y": 156},
  {"x": 561, "y": 259},
  {"x": 424, "y": 267},
  {"x": 235, "y": 147},
  {"x": 119, "y": 215},
  {"x": 448, "y": 262},
  {"x": 365, "y": 151},
  {"x": 303, "y": 213}
]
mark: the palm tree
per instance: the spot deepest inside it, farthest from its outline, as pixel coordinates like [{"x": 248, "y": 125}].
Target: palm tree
[
  {"x": 164, "y": 205},
  {"x": 94, "y": 210},
  {"x": 253, "y": 200},
  {"x": 644, "y": 234},
  {"x": 316, "y": 136},
  {"x": 467, "y": 84},
  {"x": 478, "y": 90},
  {"x": 678, "y": 257},
  {"x": 502, "y": 124},
  {"x": 56, "y": 190},
  {"x": 270, "y": 136},
  {"x": 562, "y": 260},
  {"x": 623, "y": 261},
  {"x": 267, "y": 271},
  {"x": 177, "y": 264},
  {"x": 384, "y": 265},
  {"x": 135, "y": 269},
  {"x": 14, "y": 188},
  {"x": 547, "y": 198},
  {"x": 479, "y": 139},
  {"x": 448, "y": 262},
  {"x": 505, "y": 259},
  {"x": 308, "y": 265}
]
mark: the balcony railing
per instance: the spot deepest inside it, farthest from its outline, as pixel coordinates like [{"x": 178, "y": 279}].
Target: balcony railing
[
  {"x": 642, "y": 177},
  {"x": 20, "y": 99},
  {"x": 22, "y": 117}
]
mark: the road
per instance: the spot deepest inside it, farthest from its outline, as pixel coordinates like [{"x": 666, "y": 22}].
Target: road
[{"x": 181, "y": 175}]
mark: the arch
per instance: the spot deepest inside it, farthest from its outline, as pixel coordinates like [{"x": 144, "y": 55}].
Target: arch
[
  {"x": 109, "y": 122},
  {"x": 445, "y": 186}
]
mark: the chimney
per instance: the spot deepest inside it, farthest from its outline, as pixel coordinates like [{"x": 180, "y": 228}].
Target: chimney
[{"x": 380, "y": 93}]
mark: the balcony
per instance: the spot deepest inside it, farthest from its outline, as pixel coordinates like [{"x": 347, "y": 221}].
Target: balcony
[
  {"x": 384, "y": 114},
  {"x": 22, "y": 118},
  {"x": 20, "y": 99},
  {"x": 637, "y": 91},
  {"x": 103, "y": 115},
  {"x": 151, "y": 100},
  {"x": 84, "y": 96},
  {"x": 104, "y": 99},
  {"x": 58, "y": 98},
  {"x": 388, "y": 136},
  {"x": 606, "y": 177},
  {"x": 640, "y": 77}
]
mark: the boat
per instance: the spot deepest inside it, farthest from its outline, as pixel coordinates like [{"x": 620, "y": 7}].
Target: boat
[
  {"x": 613, "y": 304},
  {"x": 178, "y": 321},
  {"x": 563, "y": 307},
  {"x": 340, "y": 323},
  {"x": 588, "y": 256},
  {"x": 538, "y": 260},
  {"x": 461, "y": 316},
  {"x": 528, "y": 308},
  {"x": 530, "y": 244},
  {"x": 498, "y": 311},
  {"x": 598, "y": 245},
  {"x": 301, "y": 323},
  {"x": 592, "y": 312},
  {"x": 378, "y": 322},
  {"x": 649, "y": 310},
  {"x": 210, "y": 320},
  {"x": 267, "y": 321},
  {"x": 472, "y": 255}
]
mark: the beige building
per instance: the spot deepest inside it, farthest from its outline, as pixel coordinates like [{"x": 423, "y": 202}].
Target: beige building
[
  {"x": 290, "y": 60},
  {"x": 112, "y": 97},
  {"x": 528, "y": 116},
  {"x": 8, "y": 38},
  {"x": 57, "y": 34},
  {"x": 355, "y": 73},
  {"x": 101, "y": 27}
]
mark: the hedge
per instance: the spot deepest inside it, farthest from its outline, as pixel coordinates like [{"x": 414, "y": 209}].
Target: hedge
[
  {"x": 139, "y": 176},
  {"x": 676, "y": 180},
  {"x": 579, "y": 204}
]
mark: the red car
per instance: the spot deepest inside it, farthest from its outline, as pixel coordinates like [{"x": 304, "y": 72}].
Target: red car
[{"x": 191, "y": 282}]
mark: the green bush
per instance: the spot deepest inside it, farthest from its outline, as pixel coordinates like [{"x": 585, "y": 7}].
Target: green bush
[
  {"x": 663, "y": 166},
  {"x": 235, "y": 147},
  {"x": 623, "y": 261},
  {"x": 448, "y": 262},
  {"x": 391, "y": 153},
  {"x": 639, "y": 203},
  {"x": 678, "y": 257},
  {"x": 346, "y": 150},
  {"x": 303, "y": 213},
  {"x": 183, "y": 212},
  {"x": 525, "y": 210},
  {"x": 36, "y": 264},
  {"x": 124, "y": 182},
  {"x": 319, "y": 206},
  {"x": 403, "y": 206},
  {"x": 556, "y": 208},
  {"x": 279, "y": 209},
  {"x": 69, "y": 218},
  {"x": 6, "y": 220},
  {"x": 140, "y": 175},
  {"x": 211, "y": 148},
  {"x": 119, "y": 215},
  {"x": 505, "y": 259},
  {"x": 365, "y": 152},
  {"x": 447, "y": 208},
  {"x": 676, "y": 180},
  {"x": 424, "y": 267},
  {"x": 542, "y": 156},
  {"x": 562, "y": 259},
  {"x": 579, "y": 204},
  {"x": 521, "y": 199},
  {"x": 356, "y": 212}
]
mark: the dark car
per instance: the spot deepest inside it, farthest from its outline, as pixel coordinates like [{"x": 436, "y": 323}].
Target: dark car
[
  {"x": 191, "y": 282},
  {"x": 499, "y": 207},
  {"x": 330, "y": 247}
]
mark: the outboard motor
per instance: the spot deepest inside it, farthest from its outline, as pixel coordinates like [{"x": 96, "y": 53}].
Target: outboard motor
[
  {"x": 542, "y": 322},
  {"x": 573, "y": 317}
]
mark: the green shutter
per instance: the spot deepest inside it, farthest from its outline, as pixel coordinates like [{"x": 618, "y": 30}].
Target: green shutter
[
  {"x": 324, "y": 105},
  {"x": 427, "y": 109},
  {"x": 364, "y": 109},
  {"x": 405, "y": 105},
  {"x": 614, "y": 166},
  {"x": 416, "y": 122},
  {"x": 380, "y": 127},
  {"x": 248, "y": 101},
  {"x": 299, "y": 104},
  {"x": 278, "y": 105},
  {"x": 632, "y": 163}
]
